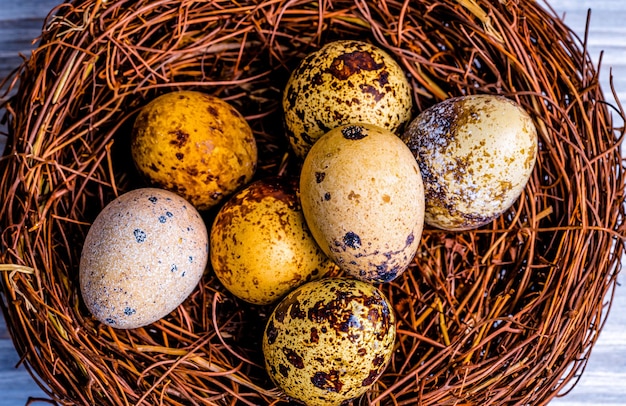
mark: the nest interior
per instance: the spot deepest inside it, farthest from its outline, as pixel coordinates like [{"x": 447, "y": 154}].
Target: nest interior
[{"x": 505, "y": 314}]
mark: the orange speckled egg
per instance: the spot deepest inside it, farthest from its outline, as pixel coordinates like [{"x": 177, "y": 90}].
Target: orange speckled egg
[
  {"x": 143, "y": 256},
  {"x": 261, "y": 247},
  {"x": 194, "y": 144}
]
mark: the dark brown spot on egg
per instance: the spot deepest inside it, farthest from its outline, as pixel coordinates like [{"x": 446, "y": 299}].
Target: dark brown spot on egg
[
  {"x": 353, "y": 196},
  {"x": 317, "y": 79},
  {"x": 293, "y": 357},
  {"x": 373, "y": 315},
  {"x": 284, "y": 370},
  {"x": 348, "y": 64},
  {"x": 284, "y": 306},
  {"x": 383, "y": 78},
  {"x": 212, "y": 111},
  {"x": 300, "y": 113},
  {"x": 295, "y": 312},
  {"x": 319, "y": 177},
  {"x": 323, "y": 128},
  {"x": 180, "y": 138},
  {"x": 410, "y": 239},
  {"x": 352, "y": 240},
  {"x": 353, "y": 132},
  {"x": 180, "y": 156},
  {"x": 327, "y": 381},
  {"x": 290, "y": 96},
  {"x": 371, "y": 378},
  {"x": 372, "y": 91},
  {"x": 315, "y": 337},
  {"x": 327, "y": 196},
  {"x": 378, "y": 361},
  {"x": 140, "y": 235}
]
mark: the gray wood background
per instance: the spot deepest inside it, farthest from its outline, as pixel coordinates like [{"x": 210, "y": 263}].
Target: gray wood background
[{"x": 604, "y": 380}]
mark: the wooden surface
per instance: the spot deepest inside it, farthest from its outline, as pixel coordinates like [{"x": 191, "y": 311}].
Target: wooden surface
[{"x": 603, "y": 381}]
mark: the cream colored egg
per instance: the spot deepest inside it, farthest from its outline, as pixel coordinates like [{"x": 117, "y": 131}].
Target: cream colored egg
[
  {"x": 476, "y": 154},
  {"x": 261, "y": 247},
  {"x": 344, "y": 82},
  {"x": 329, "y": 340},
  {"x": 363, "y": 199},
  {"x": 143, "y": 256}
]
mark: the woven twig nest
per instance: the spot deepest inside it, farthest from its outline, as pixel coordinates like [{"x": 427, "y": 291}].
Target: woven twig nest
[{"x": 505, "y": 314}]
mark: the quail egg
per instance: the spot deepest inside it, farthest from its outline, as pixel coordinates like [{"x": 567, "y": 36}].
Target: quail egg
[
  {"x": 195, "y": 145},
  {"x": 363, "y": 199},
  {"x": 143, "y": 256},
  {"x": 260, "y": 245},
  {"x": 476, "y": 154},
  {"x": 329, "y": 340},
  {"x": 344, "y": 82}
]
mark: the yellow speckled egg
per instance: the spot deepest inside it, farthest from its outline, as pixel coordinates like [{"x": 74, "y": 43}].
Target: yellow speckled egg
[
  {"x": 476, "y": 154},
  {"x": 194, "y": 144},
  {"x": 363, "y": 199},
  {"x": 344, "y": 82},
  {"x": 329, "y": 340},
  {"x": 143, "y": 256},
  {"x": 260, "y": 245}
]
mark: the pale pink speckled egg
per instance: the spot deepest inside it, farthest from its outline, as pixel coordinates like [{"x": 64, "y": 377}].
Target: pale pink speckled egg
[{"x": 143, "y": 256}]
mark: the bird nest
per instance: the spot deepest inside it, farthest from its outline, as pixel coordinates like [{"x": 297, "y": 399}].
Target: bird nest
[{"x": 503, "y": 314}]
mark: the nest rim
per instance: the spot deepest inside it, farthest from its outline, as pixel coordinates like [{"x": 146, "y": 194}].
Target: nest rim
[{"x": 60, "y": 166}]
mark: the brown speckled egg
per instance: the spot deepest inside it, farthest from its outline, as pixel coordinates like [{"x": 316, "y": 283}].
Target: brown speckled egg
[
  {"x": 363, "y": 199},
  {"x": 476, "y": 154},
  {"x": 143, "y": 256},
  {"x": 329, "y": 340},
  {"x": 195, "y": 145},
  {"x": 344, "y": 82},
  {"x": 261, "y": 247}
]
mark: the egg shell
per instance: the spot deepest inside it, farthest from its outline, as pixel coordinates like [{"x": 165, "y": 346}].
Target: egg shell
[
  {"x": 344, "y": 82},
  {"x": 329, "y": 340},
  {"x": 143, "y": 256},
  {"x": 260, "y": 245},
  {"x": 363, "y": 199},
  {"x": 476, "y": 154},
  {"x": 195, "y": 145}
]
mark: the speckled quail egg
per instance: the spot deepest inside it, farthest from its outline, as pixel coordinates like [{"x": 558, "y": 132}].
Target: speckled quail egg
[
  {"x": 344, "y": 82},
  {"x": 363, "y": 199},
  {"x": 476, "y": 154},
  {"x": 195, "y": 145},
  {"x": 143, "y": 256},
  {"x": 329, "y": 340},
  {"x": 260, "y": 245}
]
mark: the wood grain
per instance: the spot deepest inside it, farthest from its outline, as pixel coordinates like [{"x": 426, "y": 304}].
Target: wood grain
[{"x": 604, "y": 380}]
